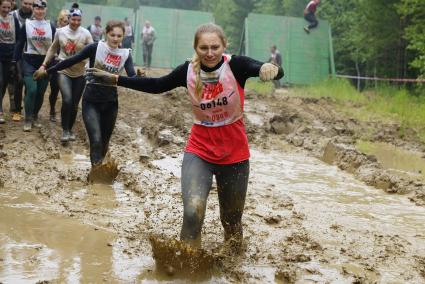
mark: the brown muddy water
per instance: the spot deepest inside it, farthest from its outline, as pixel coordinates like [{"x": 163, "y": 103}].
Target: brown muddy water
[
  {"x": 395, "y": 158},
  {"x": 353, "y": 222},
  {"x": 362, "y": 231}
]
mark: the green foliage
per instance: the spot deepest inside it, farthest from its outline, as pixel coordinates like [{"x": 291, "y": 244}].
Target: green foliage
[
  {"x": 383, "y": 38},
  {"x": 413, "y": 13},
  {"x": 294, "y": 8}
]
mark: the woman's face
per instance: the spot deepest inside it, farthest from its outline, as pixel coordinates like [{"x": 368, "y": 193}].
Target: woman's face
[
  {"x": 210, "y": 49},
  {"x": 74, "y": 22},
  {"x": 63, "y": 22},
  {"x": 39, "y": 13},
  {"x": 5, "y": 8},
  {"x": 115, "y": 37}
]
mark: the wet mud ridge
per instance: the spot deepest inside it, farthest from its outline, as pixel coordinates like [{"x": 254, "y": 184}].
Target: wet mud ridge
[{"x": 318, "y": 210}]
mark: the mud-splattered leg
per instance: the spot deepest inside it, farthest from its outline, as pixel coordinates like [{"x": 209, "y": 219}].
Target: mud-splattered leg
[
  {"x": 232, "y": 183},
  {"x": 196, "y": 184}
]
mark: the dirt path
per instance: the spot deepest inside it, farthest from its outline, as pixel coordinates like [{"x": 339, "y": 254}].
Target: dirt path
[{"x": 305, "y": 220}]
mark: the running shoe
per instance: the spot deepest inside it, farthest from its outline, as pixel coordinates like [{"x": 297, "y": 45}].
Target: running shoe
[
  {"x": 27, "y": 126},
  {"x": 65, "y": 136},
  {"x": 16, "y": 116},
  {"x": 307, "y": 30},
  {"x": 37, "y": 124},
  {"x": 71, "y": 136},
  {"x": 2, "y": 120}
]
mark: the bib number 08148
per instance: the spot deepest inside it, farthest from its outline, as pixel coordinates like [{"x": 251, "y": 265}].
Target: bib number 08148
[{"x": 213, "y": 104}]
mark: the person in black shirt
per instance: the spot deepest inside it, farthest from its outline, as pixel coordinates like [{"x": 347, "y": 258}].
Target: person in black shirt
[
  {"x": 100, "y": 101},
  {"x": 218, "y": 145}
]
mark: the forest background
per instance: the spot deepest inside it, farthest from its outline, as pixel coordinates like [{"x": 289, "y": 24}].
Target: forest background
[{"x": 378, "y": 38}]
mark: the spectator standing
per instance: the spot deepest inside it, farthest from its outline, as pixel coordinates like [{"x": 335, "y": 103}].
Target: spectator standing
[
  {"x": 96, "y": 29},
  {"x": 276, "y": 59},
  {"x": 148, "y": 38},
  {"x": 128, "y": 35}
]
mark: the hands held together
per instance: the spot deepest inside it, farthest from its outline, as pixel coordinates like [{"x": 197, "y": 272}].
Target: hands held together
[
  {"x": 94, "y": 75},
  {"x": 41, "y": 73}
]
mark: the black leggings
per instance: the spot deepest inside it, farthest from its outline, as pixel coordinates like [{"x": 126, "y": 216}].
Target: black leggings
[
  {"x": 147, "y": 54},
  {"x": 99, "y": 119},
  {"x": 54, "y": 92},
  {"x": 18, "y": 87},
  {"x": 71, "y": 90},
  {"x": 196, "y": 182},
  {"x": 5, "y": 79},
  {"x": 311, "y": 18}
]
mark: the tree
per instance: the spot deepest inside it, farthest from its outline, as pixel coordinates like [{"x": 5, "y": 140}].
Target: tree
[{"x": 413, "y": 14}]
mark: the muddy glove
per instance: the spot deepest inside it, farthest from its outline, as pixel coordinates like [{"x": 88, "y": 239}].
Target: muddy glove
[
  {"x": 268, "y": 72},
  {"x": 140, "y": 72},
  {"x": 41, "y": 73},
  {"x": 94, "y": 75}
]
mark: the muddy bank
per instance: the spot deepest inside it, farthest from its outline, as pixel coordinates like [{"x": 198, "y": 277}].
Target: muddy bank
[
  {"x": 305, "y": 220},
  {"x": 316, "y": 126}
]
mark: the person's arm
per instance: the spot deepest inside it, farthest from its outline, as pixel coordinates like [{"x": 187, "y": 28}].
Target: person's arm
[
  {"x": 244, "y": 67},
  {"x": 129, "y": 67},
  {"x": 85, "y": 53},
  {"x": 53, "y": 30},
  {"x": 279, "y": 59},
  {"x": 51, "y": 52},
  {"x": 177, "y": 78},
  {"x": 152, "y": 38},
  {"x": 19, "y": 48},
  {"x": 307, "y": 8},
  {"x": 17, "y": 28},
  {"x": 89, "y": 38}
]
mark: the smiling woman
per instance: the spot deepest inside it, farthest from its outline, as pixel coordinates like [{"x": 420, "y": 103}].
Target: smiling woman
[
  {"x": 100, "y": 102},
  {"x": 69, "y": 40},
  {"x": 218, "y": 144},
  {"x": 35, "y": 38}
]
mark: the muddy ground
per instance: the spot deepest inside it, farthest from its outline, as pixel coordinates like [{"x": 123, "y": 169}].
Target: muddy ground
[{"x": 318, "y": 210}]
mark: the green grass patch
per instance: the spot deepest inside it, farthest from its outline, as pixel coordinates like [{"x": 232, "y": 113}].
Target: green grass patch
[
  {"x": 264, "y": 88},
  {"x": 384, "y": 103},
  {"x": 339, "y": 89}
]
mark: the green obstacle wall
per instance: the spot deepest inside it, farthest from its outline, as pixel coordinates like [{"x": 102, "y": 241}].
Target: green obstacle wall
[
  {"x": 174, "y": 29},
  {"x": 307, "y": 58}
]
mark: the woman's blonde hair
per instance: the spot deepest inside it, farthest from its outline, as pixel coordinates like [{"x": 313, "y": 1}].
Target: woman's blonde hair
[
  {"x": 196, "y": 60},
  {"x": 62, "y": 15}
]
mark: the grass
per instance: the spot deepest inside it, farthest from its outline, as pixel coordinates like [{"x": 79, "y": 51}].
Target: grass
[
  {"x": 383, "y": 103},
  {"x": 259, "y": 86}
]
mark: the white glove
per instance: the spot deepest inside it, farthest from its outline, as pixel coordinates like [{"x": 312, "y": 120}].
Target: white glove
[{"x": 268, "y": 72}]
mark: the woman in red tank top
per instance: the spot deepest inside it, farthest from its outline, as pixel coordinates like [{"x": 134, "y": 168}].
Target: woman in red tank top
[{"x": 218, "y": 145}]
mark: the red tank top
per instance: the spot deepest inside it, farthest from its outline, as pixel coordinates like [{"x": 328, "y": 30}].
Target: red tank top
[{"x": 218, "y": 135}]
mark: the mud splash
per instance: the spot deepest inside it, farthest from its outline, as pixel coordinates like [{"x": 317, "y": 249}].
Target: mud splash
[{"x": 177, "y": 259}]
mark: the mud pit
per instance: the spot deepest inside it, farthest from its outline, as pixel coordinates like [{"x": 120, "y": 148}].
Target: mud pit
[{"x": 305, "y": 220}]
